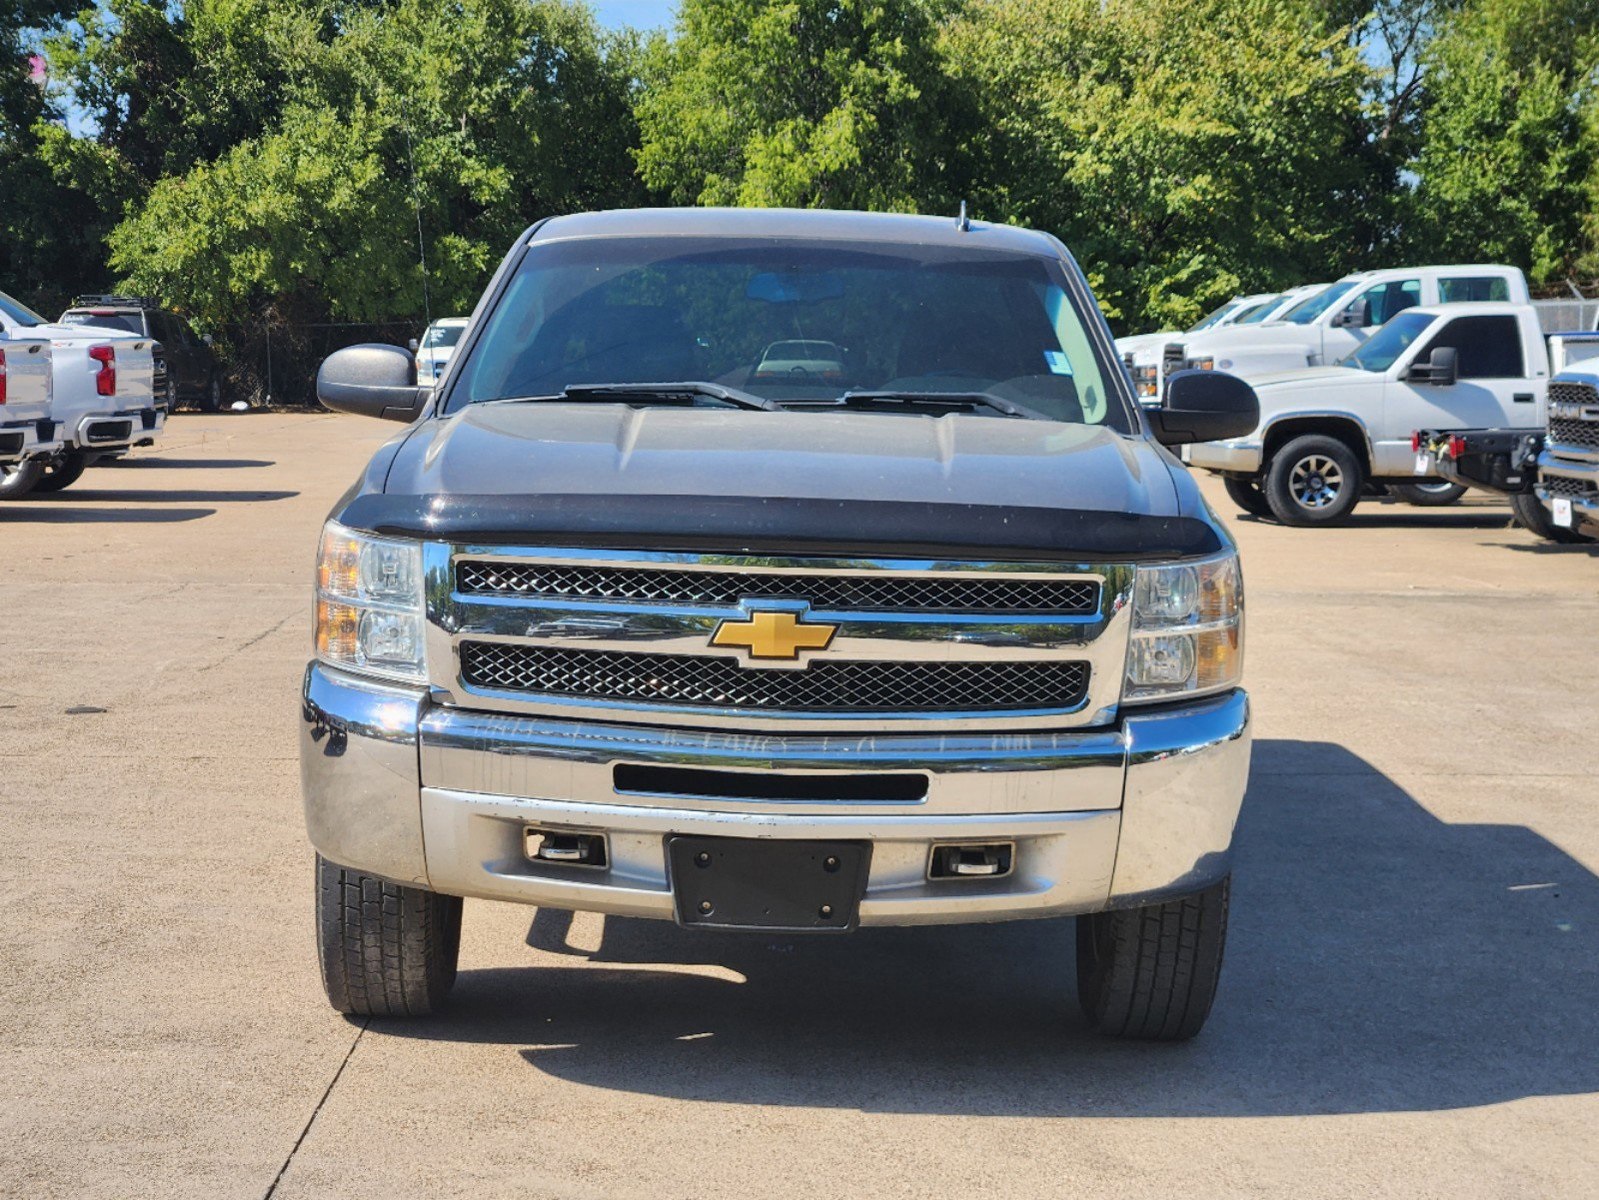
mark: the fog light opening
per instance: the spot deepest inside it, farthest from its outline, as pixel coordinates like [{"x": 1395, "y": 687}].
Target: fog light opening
[
  {"x": 563, "y": 847},
  {"x": 971, "y": 860}
]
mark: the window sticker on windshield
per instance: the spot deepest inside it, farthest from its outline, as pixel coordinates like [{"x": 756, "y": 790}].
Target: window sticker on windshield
[{"x": 1057, "y": 362}]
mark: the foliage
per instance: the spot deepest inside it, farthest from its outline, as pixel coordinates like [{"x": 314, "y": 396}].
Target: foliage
[
  {"x": 1183, "y": 148},
  {"x": 805, "y": 103},
  {"x": 1508, "y": 168}
]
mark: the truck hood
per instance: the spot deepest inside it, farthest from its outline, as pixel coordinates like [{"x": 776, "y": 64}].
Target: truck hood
[
  {"x": 536, "y": 469},
  {"x": 1316, "y": 379}
]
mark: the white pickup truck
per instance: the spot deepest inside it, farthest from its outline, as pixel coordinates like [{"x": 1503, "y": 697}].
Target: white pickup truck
[
  {"x": 100, "y": 389},
  {"x": 1329, "y": 325},
  {"x": 26, "y": 430},
  {"x": 1326, "y": 434}
]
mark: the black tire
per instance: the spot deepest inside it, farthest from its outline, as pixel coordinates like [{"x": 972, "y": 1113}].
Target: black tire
[
  {"x": 1314, "y": 480},
  {"x": 386, "y": 950},
  {"x": 211, "y": 399},
  {"x": 19, "y": 478},
  {"x": 1435, "y": 493},
  {"x": 1532, "y": 516},
  {"x": 1246, "y": 493},
  {"x": 62, "y": 472},
  {"x": 1150, "y": 973}
]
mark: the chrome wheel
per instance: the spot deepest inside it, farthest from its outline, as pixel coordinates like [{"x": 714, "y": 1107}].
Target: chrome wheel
[{"x": 1316, "y": 481}]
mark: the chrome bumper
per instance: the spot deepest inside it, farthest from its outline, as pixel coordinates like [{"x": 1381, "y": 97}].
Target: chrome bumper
[
  {"x": 441, "y": 798},
  {"x": 20, "y": 440},
  {"x": 1241, "y": 456},
  {"x": 117, "y": 431},
  {"x": 1584, "y": 509}
]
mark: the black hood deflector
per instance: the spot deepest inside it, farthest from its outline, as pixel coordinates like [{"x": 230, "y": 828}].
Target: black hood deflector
[{"x": 775, "y": 526}]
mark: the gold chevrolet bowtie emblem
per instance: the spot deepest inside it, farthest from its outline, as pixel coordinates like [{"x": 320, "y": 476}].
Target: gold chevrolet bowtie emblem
[{"x": 774, "y": 635}]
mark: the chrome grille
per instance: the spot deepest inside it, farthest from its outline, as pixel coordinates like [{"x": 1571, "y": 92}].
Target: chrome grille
[
  {"x": 827, "y": 685},
  {"x": 1565, "y": 392},
  {"x": 1565, "y": 431},
  {"x": 899, "y": 592},
  {"x": 1560, "y": 485}
]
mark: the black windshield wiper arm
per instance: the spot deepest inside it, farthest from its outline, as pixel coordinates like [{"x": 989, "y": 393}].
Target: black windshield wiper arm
[
  {"x": 951, "y": 400},
  {"x": 683, "y": 392}
]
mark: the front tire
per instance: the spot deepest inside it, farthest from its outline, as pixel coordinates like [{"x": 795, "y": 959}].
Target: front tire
[
  {"x": 1434, "y": 494},
  {"x": 1314, "y": 480},
  {"x": 1245, "y": 492},
  {"x": 62, "y": 472},
  {"x": 1532, "y": 516},
  {"x": 19, "y": 478},
  {"x": 386, "y": 950},
  {"x": 1150, "y": 973},
  {"x": 211, "y": 401}
]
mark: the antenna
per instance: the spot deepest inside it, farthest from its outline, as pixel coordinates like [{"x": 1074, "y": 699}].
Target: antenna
[
  {"x": 416, "y": 200},
  {"x": 963, "y": 222}
]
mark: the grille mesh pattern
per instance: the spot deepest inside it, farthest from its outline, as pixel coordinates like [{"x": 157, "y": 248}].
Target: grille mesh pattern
[
  {"x": 1566, "y": 432},
  {"x": 890, "y": 591},
  {"x": 1559, "y": 485},
  {"x": 828, "y": 685}
]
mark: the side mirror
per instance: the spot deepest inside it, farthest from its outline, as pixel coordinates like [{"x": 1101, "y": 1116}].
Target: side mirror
[
  {"x": 413, "y": 345},
  {"x": 1355, "y": 316},
  {"x": 373, "y": 380},
  {"x": 1441, "y": 369},
  {"x": 1204, "y": 406}
]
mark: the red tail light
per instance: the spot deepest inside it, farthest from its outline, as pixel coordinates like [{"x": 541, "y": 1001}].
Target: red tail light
[
  {"x": 2, "y": 376},
  {"x": 1415, "y": 441},
  {"x": 105, "y": 379},
  {"x": 1457, "y": 446}
]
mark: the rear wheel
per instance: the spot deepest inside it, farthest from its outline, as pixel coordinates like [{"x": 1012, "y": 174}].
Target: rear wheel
[
  {"x": 1151, "y": 972},
  {"x": 1245, "y": 492},
  {"x": 1435, "y": 493},
  {"x": 1532, "y": 516},
  {"x": 19, "y": 478},
  {"x": 387, "y": 950},
  {"x": 61, "y": 472},
  {"x": 1314, "y": 480},
  {"x": 211, "y": 401}
]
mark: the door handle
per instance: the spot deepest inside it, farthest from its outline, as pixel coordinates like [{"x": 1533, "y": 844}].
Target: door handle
[{"x": 1522, "y": 397}]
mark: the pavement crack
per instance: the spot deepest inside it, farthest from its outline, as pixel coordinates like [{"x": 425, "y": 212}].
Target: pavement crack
[
  {"x": 243, "y": 646},
  {"x": 315, "y": 1112}
]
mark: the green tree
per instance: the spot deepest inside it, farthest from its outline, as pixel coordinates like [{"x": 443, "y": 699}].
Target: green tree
[
  {"x": 1184, "y": 149},
  {"x": 806, "y": 103},
  {"x": 1508, "y": 168}
]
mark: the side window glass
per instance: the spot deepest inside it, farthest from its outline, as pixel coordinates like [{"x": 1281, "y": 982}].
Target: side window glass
[
  {"x": 1464, "y": 288},
  {"x": 1386, "y": 299},
  {"x": 1485, "y": 347}
]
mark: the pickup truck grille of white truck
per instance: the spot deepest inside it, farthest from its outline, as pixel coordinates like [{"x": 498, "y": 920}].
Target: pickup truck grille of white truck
[
  {"x": 1574, "y": 415},
  {"x": 643, "y": 637},
  {"x": 920, "y": 593},
  {"x": 1564, "y": 486},
  {"x": 830, "y": 685}
]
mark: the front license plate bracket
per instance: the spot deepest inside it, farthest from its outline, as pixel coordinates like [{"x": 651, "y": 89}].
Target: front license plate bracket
[{"x": 773, "y": 884}]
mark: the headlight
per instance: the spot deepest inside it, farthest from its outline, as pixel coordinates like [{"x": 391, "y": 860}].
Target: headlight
[
  {"x": 1207, "y": 363},
  {"x": 1146, "y": 380},
  {"x": 369, "y": 604},
  {"x": 1188, "y": 630}
]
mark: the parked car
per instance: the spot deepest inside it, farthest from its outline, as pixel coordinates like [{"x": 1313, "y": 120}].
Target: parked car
[
  {"x": 194, "y": 377},
  {"x": 1546, "y": 474},
  {"x": 102, "y": 398},
  {"x": 1327, "y": 327},
  {"x": 433, "y": 351},
  {"x": 27, "y": 431},
  {"x": 801, "y": 362},
  {"x": 1327, "y": 433},
  {"x": 958, "y": 640}
]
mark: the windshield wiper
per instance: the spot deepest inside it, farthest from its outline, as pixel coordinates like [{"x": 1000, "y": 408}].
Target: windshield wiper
[
  {"x": 953, "y": 401},
  {"x": 684, "y": 393}
]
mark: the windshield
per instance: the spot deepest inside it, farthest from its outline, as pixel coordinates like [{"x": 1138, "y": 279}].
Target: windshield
[
  {"x": 790, "y": 321},
  {"x": 1307, "y": 311},
  {"x": 19, "y": 312},
  {"x": 1257, "y": 312},
  {"x": 128, "y": 322},
  {"x": 440, "y": 336},
  {"x": 1383, "y": 348},
  {"x": 1215, "y": 316}
]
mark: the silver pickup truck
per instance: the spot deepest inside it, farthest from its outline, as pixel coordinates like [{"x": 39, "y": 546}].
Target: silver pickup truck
[{"x": 623, "y": 623}]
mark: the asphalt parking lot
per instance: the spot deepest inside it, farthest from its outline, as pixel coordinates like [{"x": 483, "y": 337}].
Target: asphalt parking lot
[{"x": 1410, "y": 1005}]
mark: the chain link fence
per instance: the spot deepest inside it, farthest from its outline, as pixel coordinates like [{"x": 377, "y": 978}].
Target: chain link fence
[{"x": 274, "y": 364}]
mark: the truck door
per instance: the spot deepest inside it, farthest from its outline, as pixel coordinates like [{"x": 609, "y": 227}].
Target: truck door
[{"x": 1492, "y": 389}]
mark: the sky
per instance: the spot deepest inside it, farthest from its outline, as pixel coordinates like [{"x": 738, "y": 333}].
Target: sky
[{"x": 641, "y": 14}]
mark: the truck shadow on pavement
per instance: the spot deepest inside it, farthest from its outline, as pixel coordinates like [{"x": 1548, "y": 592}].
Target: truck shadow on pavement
[
  {"x": 82, "y": 515},
  {"x": 1379, "y": 960}
]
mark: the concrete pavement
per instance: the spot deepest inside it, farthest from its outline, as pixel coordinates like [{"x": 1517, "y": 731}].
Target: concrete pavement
[{"x": 1408, "y": 1007}]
